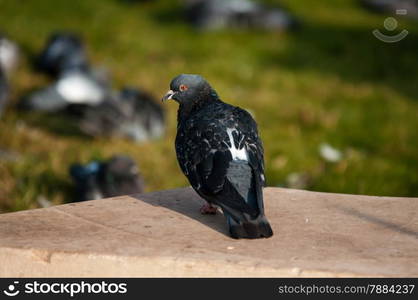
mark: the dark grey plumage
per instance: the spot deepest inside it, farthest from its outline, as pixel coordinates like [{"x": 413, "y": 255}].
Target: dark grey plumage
[
  {"x": 215, "y": 14},
  {"x": 101, "y": 179},
  {"x": 219, "y": 150},
  {"x": 64, "y": 51}
]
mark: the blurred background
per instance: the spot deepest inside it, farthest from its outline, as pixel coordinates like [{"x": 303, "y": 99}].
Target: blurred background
[{"x": 337, "y": 108}]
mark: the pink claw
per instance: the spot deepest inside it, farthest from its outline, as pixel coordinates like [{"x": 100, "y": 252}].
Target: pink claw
[{"x": 208, "y": 209}]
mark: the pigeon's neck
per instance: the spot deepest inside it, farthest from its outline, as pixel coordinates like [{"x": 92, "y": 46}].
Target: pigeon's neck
[{"x": 187, "y": 110}]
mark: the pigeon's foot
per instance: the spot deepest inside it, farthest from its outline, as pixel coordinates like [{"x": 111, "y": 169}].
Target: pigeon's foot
[{"x": 208, "y": 209}]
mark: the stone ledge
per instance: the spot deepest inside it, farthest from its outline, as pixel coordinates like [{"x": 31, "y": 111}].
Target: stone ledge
[{"x": 162, "y": 234}]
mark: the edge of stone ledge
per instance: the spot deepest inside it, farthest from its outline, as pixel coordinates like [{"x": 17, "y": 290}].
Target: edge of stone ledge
[
  {"x": 30, "y": 262},
  {"x": 290, "y": 191}
]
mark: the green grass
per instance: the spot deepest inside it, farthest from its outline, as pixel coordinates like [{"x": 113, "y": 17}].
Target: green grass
[{"x": 331, "y": 81}]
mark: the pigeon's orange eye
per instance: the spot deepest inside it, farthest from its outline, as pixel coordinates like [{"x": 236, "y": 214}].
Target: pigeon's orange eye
[{"x": 183, "y": 87}]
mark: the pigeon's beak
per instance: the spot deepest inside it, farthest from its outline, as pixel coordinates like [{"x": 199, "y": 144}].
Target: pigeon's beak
[{"x": 168, "y": 96}]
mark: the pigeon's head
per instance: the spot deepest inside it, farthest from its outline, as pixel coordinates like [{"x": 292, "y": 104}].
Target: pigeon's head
[{"x": 190, "y": 89}]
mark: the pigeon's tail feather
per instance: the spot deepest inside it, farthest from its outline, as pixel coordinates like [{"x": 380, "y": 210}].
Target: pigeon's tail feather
[{"x": 250, "y": 229}]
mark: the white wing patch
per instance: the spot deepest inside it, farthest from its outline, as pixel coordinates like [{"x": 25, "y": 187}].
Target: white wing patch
[
  {"x": 76, "y": 87},
  {"x": 241, "y": 152}
]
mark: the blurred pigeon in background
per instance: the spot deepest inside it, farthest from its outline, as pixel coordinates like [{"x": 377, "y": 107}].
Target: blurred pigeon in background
[
  {"x": 72, "y": 88},
  {"x": 216, "y": 14},
  {"x": 86, "y": 93},
  {"x": 115, "y": 177},
  {"x": 64, "y": 56},
  {"x": 408, "y": 8},
  {"x": 129, "y": 113},
  {"x": 63, "y": 52}
]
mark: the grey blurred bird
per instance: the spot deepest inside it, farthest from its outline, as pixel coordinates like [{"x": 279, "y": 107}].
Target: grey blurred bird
[
  {"x": 72, "y": 88},
  {"x": 64, "y": 56},
  {"x": 63, "y": 52},
  {"x": 101, "y": 179},
  {"x": 220, "y": 152},
  {"x": 130, "y": 113},
  {"x": 216, "y": 14}
]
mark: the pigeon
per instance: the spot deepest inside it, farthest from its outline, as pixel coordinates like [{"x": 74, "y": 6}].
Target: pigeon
[
  {"x": 220, "y": 152},
  {"x": 77, "y": 84},
  {"x": 63, "y": 52},
  {"x": 216, "y": 14},
  {"x": 115, "y": 177},
  {"x": 72, "y": 88},
  {"x": 130, "y": 113}
]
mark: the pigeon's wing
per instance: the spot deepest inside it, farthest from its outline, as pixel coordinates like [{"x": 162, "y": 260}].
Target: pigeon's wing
[
  {"x": 255, "y": 152},
  {"x": 213, "y": 151}
]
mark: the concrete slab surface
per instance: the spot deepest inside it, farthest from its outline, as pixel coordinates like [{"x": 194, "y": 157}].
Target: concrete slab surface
[{"x": 162, "y": 234}]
